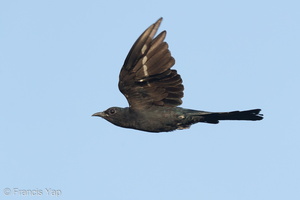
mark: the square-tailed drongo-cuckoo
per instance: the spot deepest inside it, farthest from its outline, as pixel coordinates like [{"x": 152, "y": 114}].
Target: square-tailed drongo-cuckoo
[{"x": 154, "y": 90}]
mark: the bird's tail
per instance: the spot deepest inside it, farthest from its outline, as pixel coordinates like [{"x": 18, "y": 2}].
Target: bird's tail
[{"x": 251, "y": 115}]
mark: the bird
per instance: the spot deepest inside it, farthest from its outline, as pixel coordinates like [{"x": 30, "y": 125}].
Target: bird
[{"x": 154, "y": 91}]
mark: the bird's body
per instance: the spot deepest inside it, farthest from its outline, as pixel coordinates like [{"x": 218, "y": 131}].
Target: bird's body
[
  {"x": 165, "y": 119},
  {"x": 147, "y": 120},
  {"x": 154, "y": 91}
]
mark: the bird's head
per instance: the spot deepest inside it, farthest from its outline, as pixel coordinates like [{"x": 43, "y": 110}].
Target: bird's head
[{"x": 113, "y": 115}]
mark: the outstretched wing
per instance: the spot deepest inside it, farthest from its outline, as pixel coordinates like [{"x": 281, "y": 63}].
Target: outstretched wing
[{"x": 146, "y": 78}]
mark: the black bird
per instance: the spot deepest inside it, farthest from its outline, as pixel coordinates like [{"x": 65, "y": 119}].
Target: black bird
[{"x": 154, "y": 90}]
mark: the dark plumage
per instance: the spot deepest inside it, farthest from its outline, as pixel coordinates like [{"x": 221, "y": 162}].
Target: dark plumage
[{"x": 154, "y": 90}]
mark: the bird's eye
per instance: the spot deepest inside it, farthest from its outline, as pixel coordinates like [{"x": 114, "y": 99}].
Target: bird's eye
[{"x": 111, "y": 111}]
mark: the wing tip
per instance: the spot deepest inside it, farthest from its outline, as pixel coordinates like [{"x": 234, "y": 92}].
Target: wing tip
[{"x": 159, "y": 20}]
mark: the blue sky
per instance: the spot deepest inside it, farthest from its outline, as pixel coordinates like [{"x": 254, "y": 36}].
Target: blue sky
[{"x": 59, "y": 63}]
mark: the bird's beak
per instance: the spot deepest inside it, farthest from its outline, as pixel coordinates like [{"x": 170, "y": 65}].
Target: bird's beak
[{"x": 99, "y": 114}]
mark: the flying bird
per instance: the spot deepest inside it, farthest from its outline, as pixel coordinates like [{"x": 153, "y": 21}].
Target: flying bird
[{"x": 154, "y": 91}]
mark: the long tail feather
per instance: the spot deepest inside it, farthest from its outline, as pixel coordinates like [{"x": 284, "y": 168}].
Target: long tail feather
[{"x": 251, "y": 115}]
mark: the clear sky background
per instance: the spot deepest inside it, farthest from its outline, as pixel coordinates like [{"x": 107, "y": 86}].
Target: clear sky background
[{"x": 60, "y": 61}]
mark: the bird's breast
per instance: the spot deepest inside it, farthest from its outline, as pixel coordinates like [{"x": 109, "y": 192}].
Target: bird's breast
[{"x": 158, "y": 120}]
